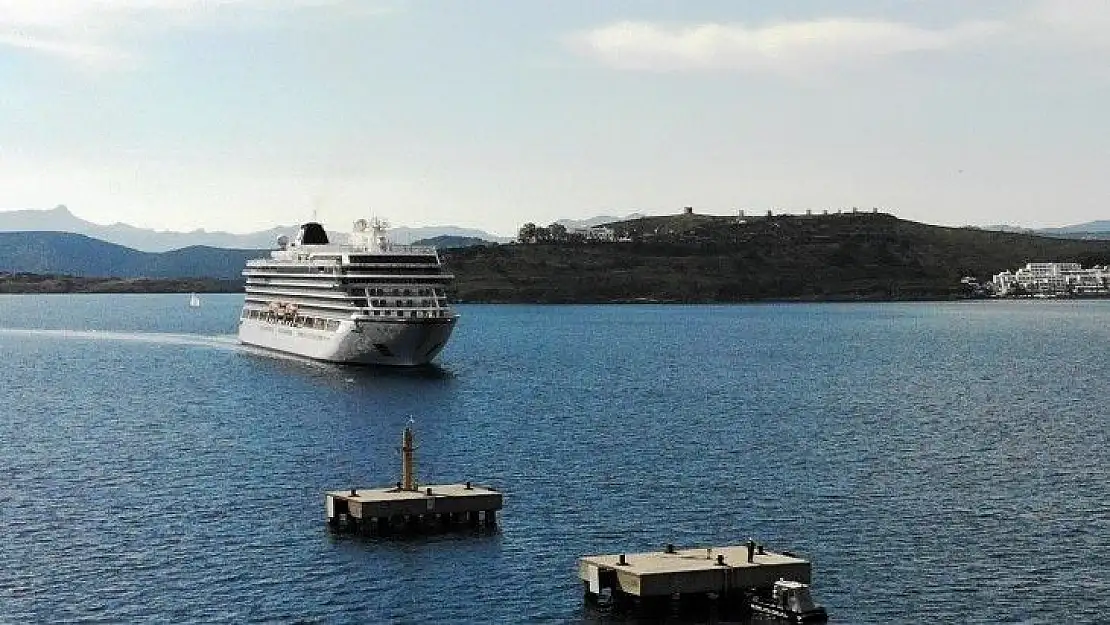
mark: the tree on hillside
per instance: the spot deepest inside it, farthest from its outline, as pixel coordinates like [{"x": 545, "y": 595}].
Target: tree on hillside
[
  {"x": 527, "y": 233},
  {"x": 558, "y": 232}
]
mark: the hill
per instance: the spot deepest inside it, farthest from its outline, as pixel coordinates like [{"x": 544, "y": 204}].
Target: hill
[
  {"x": 595, "y": 221},
  {"x": 33, "y": 283},
  {"x": 683, "y": 258},
  {"x": 1093, "y": 230},
  {"x": 698, "y": 258},
  {"x": 61, "y": 219},
  {"x": 62, "y": 253},
  {"x": 447, "y": 242},
  {"x": 1102, "y": 227}
]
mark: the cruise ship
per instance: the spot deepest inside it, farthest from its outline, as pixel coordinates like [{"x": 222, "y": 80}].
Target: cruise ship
[{"x": 368, "y": 301}]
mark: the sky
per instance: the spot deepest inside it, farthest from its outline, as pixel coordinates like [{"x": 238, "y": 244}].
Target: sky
[{"x": 239, "y": 115}]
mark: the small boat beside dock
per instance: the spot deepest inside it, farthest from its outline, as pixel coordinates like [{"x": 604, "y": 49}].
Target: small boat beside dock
[{"x": 790, "y": 601}]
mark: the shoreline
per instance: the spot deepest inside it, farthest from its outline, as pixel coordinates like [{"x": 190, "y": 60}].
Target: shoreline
[{"x": 33, "y": 284}]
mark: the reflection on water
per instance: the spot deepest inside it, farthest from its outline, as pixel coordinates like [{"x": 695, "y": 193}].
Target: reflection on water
[{"x": 337, "y": 374}]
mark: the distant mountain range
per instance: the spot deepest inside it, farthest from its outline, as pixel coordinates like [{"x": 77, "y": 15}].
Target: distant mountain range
[
  {"x": 63, "y": 253},
  {"x": 79, "y": 255},
  {"x": 444, "y": 242},
  {"x": 60, "y": 219},
  {"x": 1092, "y": 230},
  {"x": 1101, "y": 227},
  {"x": 596, "y": 221}
]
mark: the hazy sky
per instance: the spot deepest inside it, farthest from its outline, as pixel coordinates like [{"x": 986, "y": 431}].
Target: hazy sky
[{"x": 242, "y": 114}]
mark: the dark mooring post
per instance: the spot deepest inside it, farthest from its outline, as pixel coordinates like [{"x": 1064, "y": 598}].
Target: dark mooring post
[{"x": 408, "y": 479}]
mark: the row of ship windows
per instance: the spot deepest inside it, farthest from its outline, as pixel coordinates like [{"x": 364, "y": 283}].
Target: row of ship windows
[
  {"x": 406, "y": 292},
  {"x": 396, "y": 259},
  {"x": 334, "y": 269},
  {"x": 413, "y": 314},
  {"x": 298, "y": 321},
  {"x": 293, "y": 270},
  {"x": 396, "y": 270},
  {"x": 331, "y": 325},
  {"x": 401, "y": 303}
]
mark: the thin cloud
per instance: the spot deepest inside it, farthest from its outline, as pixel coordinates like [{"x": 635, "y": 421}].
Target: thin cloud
[
  {"x": 101, "y": 34},
  {"x": 800, "y": 46},
  {"x": 1083, "y": 22},
  {"x": 788, "y": 45},
  {"x": 89, "y": 55}
]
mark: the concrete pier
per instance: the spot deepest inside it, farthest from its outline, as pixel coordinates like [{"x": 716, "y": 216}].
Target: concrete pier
[
  {"x": 407, "y": 506},
  {"x": 430, "y": 508},
  {"x": 726, "y": 575}
]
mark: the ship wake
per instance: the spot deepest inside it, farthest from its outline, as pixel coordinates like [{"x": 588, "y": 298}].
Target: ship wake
[{"x": 215, "y": 341}]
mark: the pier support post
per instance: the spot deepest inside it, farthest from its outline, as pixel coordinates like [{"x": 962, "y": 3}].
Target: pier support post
[{"x": 693, "y": 603}]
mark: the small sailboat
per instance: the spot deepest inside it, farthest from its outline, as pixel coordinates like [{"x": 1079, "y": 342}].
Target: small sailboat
[{"x": 194, "y": 301}]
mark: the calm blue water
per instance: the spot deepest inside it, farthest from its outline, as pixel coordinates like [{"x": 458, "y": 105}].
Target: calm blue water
[{"x": 940, "y": 463}]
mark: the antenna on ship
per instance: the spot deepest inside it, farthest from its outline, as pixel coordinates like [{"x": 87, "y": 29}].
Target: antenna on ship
[{"x": 378, "y": 240}]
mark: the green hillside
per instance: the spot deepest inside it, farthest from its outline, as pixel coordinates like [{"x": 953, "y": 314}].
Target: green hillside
[{"x": 698, "y": 258}]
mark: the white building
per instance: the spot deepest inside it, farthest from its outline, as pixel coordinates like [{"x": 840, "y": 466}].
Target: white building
[
  {"x": 1054, "y": 279},
  {"x": 595, "y": 233}
]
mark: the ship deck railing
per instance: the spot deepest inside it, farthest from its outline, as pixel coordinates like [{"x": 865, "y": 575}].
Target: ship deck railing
[
  {"x": 341, "y": 248},
  {"x": 331, "y": 264}
]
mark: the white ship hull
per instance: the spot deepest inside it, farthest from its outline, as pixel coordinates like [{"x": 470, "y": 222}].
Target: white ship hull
[{"x": 408, "y": 342}]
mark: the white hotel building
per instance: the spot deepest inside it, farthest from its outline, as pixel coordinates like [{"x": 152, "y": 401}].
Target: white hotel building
[{"x": 1053, "y": 279}]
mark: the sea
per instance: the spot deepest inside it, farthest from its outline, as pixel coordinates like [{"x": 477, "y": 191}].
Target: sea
[{"x": 937, "y": 462}]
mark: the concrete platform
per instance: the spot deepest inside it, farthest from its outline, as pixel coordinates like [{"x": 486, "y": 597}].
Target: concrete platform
[
  {"x": 371, "y": 509},
  {"x": 409, "y": 506},
  {"x": 721, "y": 571}
]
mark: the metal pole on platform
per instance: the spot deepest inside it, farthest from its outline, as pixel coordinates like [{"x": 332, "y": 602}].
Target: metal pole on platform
[{"x": 408, "y": 481}]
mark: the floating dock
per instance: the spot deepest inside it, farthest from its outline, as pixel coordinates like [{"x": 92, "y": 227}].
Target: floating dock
[
  {"x": 406, "y": 506},
  {"x": 731, "y": 575}
]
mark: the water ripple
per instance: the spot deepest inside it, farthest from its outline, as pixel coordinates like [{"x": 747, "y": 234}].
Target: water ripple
[{"x": 934, "y": 460}]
